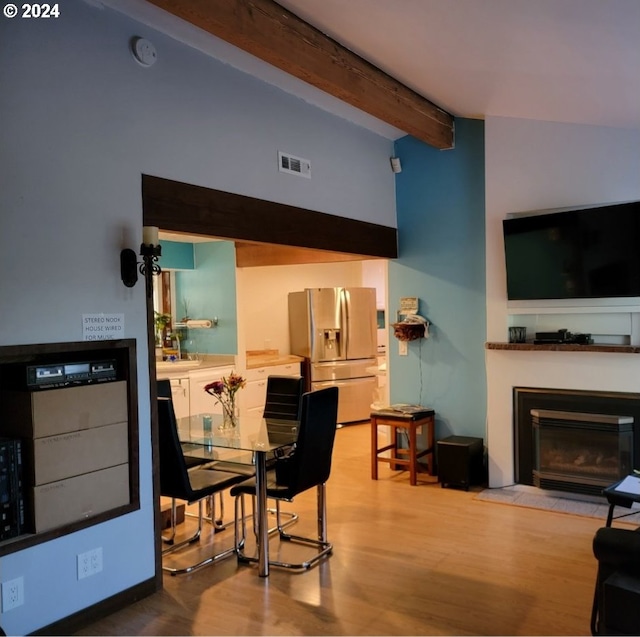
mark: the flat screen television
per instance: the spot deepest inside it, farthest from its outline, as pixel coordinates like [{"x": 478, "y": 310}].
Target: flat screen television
[{"x": 574, "y": 254}]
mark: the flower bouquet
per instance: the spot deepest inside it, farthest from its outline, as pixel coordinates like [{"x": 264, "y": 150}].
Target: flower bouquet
[{"x": 224, "y": 391}]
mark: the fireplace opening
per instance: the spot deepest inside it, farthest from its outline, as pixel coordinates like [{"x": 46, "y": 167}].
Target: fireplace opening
[
  {"x": 587, "y": 441},
  {"x": 581, "y": 453}
]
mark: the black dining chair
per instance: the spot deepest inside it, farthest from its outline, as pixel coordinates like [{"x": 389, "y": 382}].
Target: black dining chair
[
  {"x": 283, "y": 397},
  {"x": 179, "y": 483},
  {"x": 308, "y": 466},
  {"x": 282, "y": 402},
  {"x": 164, "y": 391},
  {"x": 163, "y": 388}
]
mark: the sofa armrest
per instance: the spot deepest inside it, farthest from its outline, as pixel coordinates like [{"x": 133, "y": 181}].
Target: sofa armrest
[{"x": 618, "y": 548}]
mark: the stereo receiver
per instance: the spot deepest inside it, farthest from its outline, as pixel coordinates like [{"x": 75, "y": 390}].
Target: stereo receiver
[
  {"x": 52, "y": 375},
  {"x": 562, "y": 336}
]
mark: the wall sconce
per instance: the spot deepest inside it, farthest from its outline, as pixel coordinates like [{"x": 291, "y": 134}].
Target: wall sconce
[{"x": 150, "y": 251}]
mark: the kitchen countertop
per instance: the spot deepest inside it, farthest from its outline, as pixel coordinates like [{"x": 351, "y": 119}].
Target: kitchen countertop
[
  {"x": 255, "y": 360},
  {"x": 179, "y": 369},
  {"x": 270, "y": 357}
]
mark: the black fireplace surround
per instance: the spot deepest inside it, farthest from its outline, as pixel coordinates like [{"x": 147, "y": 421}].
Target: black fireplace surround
[{"x": 592, "y": 402}]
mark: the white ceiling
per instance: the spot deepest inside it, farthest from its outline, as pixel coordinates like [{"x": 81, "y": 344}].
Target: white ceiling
[{"x": 556, "y": 60}]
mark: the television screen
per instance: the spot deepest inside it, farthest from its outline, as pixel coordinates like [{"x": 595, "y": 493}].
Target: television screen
[{"x": 588, "y": 253}]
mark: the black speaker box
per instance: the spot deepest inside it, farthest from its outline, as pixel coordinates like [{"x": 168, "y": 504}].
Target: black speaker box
[{"x": 460, "y": 461}]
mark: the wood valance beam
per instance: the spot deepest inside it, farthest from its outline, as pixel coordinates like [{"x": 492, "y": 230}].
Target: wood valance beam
[
  {"x": 174, "y": 206},
  {"x": 271, "y": 33}
]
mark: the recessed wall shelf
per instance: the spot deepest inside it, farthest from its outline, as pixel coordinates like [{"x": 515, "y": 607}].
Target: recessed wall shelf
[
  {"x": 106, "y": 414},
  {"x": 565, "y": 347}
]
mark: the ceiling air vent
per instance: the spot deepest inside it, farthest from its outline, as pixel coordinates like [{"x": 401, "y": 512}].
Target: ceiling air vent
[{"x": 294, "y": 165}]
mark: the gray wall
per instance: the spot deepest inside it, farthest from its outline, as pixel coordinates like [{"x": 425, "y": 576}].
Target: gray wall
[{"x": 81, "y": 121}]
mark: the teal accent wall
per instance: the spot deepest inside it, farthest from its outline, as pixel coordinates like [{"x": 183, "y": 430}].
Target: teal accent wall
[
  {"x": 176, "y": 255},
  {"x": 210, "y": 290},
  {"x": 441, "y": 229}
]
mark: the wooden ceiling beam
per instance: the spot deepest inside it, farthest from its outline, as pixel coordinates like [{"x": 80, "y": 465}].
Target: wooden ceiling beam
[{"x": 270, "y": 32}]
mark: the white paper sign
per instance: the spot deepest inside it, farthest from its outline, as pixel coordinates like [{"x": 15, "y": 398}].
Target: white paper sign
[
  {"x": 630, "y": 484},
  {"x": 408, "y": 305},
  {"x": 102, "y": 327}
]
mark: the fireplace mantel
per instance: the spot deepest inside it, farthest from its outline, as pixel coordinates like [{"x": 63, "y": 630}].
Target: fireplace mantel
[{"x": 565, "y": 347}]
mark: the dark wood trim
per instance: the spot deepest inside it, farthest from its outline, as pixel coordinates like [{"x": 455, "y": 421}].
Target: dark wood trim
[
  {"x": 73, "y": 623},
  {"x": 270, "y": 32},
  {"x": 155, "y": 449},
  {"x": 178, "y": 207},
  {"x": 565, "y": 347}
]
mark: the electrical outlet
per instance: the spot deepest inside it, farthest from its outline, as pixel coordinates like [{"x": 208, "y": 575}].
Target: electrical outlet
[
  {"x": 12, "y": 594},
  {"x": 403, "y": 349},
  {"x": 95, "y": 560},
  {"x": 89, "y": 563}
]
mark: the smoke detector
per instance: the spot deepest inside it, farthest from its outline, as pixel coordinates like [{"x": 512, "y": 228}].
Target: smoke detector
[
  {"x": 294, "y": 165},
  {"x": 143, "y": 51}
]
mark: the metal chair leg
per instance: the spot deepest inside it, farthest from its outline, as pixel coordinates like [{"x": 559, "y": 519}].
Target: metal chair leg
[
  {"x": 293, "y": 518},
  {"x": 321, "y": 544},
  {"x": 216, "y": 557},
  {"x": 194, "y": 538},
  {"x": 217, "y": 521},
  {"x": 239, "y": 541},
  {"x": 322, "y": 513},
  {"x": 278, "y": 512}
]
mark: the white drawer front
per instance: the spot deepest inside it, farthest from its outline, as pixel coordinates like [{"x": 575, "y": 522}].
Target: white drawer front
[
  {"x": 254, "y": 394},
  {"x": 258, "y": 373},
  {"x": 290, "y": 369}
]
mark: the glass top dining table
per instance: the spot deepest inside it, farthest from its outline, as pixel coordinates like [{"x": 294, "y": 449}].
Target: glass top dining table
[{"x": 202, "y": 433}]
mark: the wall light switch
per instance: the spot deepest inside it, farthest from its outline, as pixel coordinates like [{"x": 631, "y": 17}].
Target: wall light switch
[{"x": 403, "y": 348}]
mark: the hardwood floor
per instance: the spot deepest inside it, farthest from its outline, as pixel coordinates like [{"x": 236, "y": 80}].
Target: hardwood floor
[{"x": 407, "y": 561}]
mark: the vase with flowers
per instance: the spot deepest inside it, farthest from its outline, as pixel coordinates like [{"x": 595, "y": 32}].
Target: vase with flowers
[{"x": 224, "y": 391}]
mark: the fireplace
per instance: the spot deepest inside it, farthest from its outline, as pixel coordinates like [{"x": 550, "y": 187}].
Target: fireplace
[
  {"x": 573, "y": 440},
  {"x": 580, "y": 452}
]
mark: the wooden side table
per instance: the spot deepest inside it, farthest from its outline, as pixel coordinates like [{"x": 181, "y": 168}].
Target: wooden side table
[{"x": 403, "y": 457}]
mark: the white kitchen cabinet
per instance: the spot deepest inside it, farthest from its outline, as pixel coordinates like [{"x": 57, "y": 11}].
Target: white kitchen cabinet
[
  {"x": 255, "y": 391},
  {"x": 180, "y": 396},
  {"x": 200, "y": 402}
]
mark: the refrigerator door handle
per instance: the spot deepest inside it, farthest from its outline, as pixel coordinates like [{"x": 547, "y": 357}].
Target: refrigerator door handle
[
  {"x": 344, "y": 318},
  {"x": 312, "y": 329}
]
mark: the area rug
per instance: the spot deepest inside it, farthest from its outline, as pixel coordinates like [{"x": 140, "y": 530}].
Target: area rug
[{"x": 526, "y": 496}]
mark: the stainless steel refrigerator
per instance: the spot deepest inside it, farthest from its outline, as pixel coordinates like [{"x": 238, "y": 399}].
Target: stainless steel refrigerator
[{"x": 335, "y": 329}]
